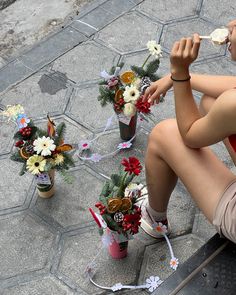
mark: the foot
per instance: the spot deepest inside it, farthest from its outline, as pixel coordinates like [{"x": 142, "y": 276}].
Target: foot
[{"x": 154, "y": 228}]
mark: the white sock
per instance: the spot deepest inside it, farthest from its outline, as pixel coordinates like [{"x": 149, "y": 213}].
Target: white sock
[{"x": 158, "y": 216}]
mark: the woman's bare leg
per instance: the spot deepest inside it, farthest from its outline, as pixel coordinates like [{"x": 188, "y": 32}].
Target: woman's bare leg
[
  {"x": 167, "y": 157},
  {"x": 204, "y": 107}
]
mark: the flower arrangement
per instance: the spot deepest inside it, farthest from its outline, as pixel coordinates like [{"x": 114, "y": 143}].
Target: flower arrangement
[
  {"x": 40, "y": 151},
  {"x": 125, "y": 90},
  {"x": 117, "y": 208}
]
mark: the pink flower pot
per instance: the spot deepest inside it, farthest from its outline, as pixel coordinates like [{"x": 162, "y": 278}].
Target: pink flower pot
[{"x": 118, "y": 250}]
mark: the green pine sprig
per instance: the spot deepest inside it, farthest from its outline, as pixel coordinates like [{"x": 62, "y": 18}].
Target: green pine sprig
[{"x": 60, "y": 132}]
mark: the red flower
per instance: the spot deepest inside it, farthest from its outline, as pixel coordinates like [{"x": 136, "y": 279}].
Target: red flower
[
  {"x": 132, "y": 165},
  {"x": 19, "y": 143},
  {"x": 143, "y": 106},
  {"x": 132, "y": 222},
  {"x": 119, "y": 105}
]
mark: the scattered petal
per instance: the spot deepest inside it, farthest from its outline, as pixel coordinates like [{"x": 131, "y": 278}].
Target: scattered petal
[
  {"x": 95, "y": 158},
  {"x": 124, "y": 145},
  {"x": 159, "y": 227}
]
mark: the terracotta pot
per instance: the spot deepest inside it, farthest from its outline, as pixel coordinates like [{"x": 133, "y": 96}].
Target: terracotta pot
[
  {"x": 128, "y": 131},
  {"x": 46, "y": 191}
]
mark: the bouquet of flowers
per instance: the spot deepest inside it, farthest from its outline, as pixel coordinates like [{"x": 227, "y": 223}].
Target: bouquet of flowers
[
  {"x": 119, "y": 216},
  {"x": 40, "y": 151},
  {"x": 125, "y": 90}
]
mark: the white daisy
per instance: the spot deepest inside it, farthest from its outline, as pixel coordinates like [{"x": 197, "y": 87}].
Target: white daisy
[
  {"x": 131, "y": 93},
  {"x": 129, "y": 109},
  {"x": 44, "y": 145},
  {"x": 154, "y": 48},
  {"x": 36, "y": 164}
]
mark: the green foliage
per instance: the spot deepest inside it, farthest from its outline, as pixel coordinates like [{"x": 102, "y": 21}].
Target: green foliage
[
  {"x": 106, "y": 95},
  {"x": 116, "y": 179},
  {"x": 41, "y": 133},
  {"x": 139, "y": 71},
  {"x": 23, "y": 169},
  {"x": 152, "y": 67},
  {"x": 60, "y": 132},
  {"x": 67, "y": 177},
  {"x": 17, "y": 157}
]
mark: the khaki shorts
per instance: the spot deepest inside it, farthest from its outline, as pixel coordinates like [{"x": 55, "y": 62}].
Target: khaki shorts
[{"x": 225, "y": 214}]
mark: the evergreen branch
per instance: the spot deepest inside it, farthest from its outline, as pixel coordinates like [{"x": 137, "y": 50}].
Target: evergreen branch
[
  {"x": 60, "y": 132},
  {"x": 23, "y": 169},
  {"x": 152, "y": 66},
  {"x": 68, "y": 160},
  {"x": 17, "y": 157},
  {"x": 139, "y": 71}
]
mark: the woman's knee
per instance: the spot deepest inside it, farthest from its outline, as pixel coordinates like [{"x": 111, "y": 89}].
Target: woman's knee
[{"x": 163, "y": 133}]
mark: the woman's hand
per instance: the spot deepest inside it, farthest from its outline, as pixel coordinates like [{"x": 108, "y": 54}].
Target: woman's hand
[
  {"x": 183, "y": 53},
  {"x": 157, "y": 90}
]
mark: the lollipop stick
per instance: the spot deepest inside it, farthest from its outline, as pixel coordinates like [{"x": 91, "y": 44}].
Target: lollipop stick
[{"x": 205, "y": 37}]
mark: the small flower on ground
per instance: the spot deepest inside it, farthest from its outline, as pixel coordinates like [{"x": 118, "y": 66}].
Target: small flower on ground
[
  {"x": 152, "y": 283},
  {"x": 35, "y": 164},
  {"x": 124, "y": 145},
  {"x": 44, "y": 145},
  {"x": 174, "y": 262},
  {"x": 132, "y": 165},
  {"x": 59, "y": 159},
  {"x": 129, "y": 109},
  {"x": 22, "y": 120},
  {"x": 154, "y": 48},
  {"x": 95, "y": 158},
  {"x": 84, "y": 144},
  {"x": 160, "y": 227},
  {"x": 131, "y": 93}
]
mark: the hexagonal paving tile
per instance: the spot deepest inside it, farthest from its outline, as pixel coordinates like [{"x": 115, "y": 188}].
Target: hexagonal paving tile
[
  {"x": 220, "y": 12},
  {"x": 90, "y": 114},
  {"x": 157, "y": 256},
  {"x": 14, "y": 188},
  {"x": 130, "y": 32},
  {"x": 163, "y": 10},
  {"x": 69, "y": 206},
  {"x": 39, "y": 94},
  {"x": 80, "y": 250},
  {"x": 217, "y": 66},
  {"x": 26, "y": 245},
  {"x": 45, "y": 286},
  {"x": 7, "y": 131},
  {"x": 174, "y": 32},
  {"x": 109, "y": 142},
  {"x": 85, "y": 62}
]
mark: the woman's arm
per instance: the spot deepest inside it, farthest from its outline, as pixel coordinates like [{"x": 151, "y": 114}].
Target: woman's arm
[{"x": 195, "y": 130}]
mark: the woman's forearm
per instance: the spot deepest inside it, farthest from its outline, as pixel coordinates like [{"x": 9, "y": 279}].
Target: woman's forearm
[{"x": 212, "y": 85}]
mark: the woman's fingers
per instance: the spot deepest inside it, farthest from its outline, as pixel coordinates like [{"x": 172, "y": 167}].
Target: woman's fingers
[
  {"x": 196, "y": 45},
  {"x": 182, "y": 45}
]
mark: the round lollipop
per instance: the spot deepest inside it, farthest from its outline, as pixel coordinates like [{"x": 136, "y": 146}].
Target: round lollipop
[{"x": 218, "y": 36}]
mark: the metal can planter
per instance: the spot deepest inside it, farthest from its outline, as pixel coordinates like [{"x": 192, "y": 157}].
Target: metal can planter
[
  {"x": 46, "y": 191},
  {"x": 118, "y": 250},
  {"x": 127, "y": 131}
]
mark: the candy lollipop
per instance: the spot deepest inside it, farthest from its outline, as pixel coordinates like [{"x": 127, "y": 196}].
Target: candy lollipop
[{"x": 218, "y": 36}]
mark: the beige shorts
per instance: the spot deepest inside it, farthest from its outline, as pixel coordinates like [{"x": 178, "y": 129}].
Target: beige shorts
[{"x": 225, "y": 214}]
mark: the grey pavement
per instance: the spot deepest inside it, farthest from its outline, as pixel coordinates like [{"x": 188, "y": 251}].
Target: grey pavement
[{"x": 45, "y": 245}]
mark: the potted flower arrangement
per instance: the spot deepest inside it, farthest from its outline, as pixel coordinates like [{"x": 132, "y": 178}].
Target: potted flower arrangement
[
  {"x": 125, "y": 90},
  {"x": 119, "y": 216},
  {"x": 41, "y": 152}
]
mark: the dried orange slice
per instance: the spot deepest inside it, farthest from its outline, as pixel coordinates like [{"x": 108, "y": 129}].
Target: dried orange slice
[
  {"x": 24, "y": 154},
  {"x": 64, "y": 148},
  {"x": 127, "y": 77},
  {"x": 114, "y": 204},
  {"x": 126, "y": 204},
  {"x": 118, "y": 95}
]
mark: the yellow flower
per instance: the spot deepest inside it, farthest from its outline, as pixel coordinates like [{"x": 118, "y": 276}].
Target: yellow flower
[
  {"x": 36, "y": 164},
  {"x": 59, "y": 159}
]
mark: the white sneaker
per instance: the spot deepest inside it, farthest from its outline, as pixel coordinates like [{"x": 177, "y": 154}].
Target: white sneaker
[{"x": 153, "y": 228}]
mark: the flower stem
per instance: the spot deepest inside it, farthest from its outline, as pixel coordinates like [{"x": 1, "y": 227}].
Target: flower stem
[{"x": 146, "y": 60}]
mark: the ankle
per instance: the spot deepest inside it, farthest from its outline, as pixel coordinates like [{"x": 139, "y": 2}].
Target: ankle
[{"x": 158, "y": 216}]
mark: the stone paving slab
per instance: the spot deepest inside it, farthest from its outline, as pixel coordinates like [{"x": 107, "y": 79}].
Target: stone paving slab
[{"x": 46, "y": 244}]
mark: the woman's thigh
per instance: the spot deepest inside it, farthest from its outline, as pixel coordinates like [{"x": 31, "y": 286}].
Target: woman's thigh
[{"x": 203, "y": 174}]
